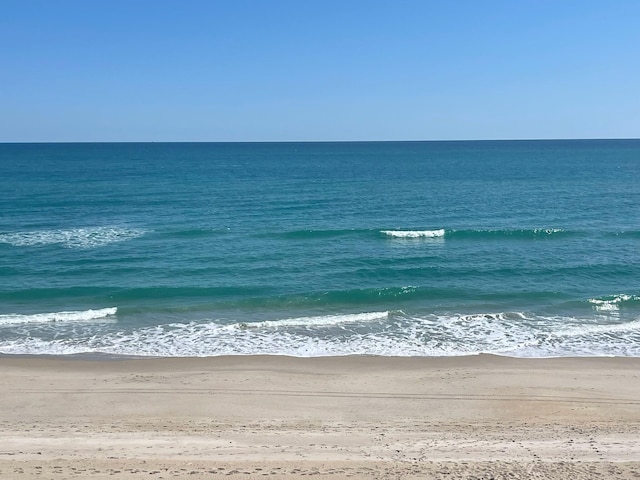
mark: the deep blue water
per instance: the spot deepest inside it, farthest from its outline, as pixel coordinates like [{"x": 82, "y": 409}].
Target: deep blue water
[{"x": 527, "y": 248}]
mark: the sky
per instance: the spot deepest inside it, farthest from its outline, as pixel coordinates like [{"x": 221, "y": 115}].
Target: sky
[{"x": 318, "y": 70}]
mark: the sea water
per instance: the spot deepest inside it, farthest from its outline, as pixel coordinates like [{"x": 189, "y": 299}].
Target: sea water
[{"x": 521, "y": 248}]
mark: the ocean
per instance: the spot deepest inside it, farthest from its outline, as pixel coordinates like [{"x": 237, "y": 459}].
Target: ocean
[{"x": 518, "y": 248}]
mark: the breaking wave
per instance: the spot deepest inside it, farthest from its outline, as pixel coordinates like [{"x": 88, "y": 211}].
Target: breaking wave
[
  {"x": 439, "y": 233},
  {"x": 392, "y": 333},
  {"x": 481, "y": 234},
  {"x": 414, "y": 233},
  {"x": 612, "y": 303},
  {"x": 60, "y": 317}
]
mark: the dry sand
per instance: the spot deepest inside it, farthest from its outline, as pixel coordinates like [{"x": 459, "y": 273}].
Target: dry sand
[{"x": 477, "y": 417}]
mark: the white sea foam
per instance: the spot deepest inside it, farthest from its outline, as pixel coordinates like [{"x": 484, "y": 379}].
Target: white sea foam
[
  {"x": 617, "y": 339},
  {"x": 414, "y": 233},
  {"x": 588, "y": 330},
  {"x": 318, "y": 321},
  {"x": 547, "y": 231},
  {"x": 81, "y": 238},
  {"x": 78, "y": 316},
  {"x": 507, "y": 333},
  {"x": 612, "y": 303}
]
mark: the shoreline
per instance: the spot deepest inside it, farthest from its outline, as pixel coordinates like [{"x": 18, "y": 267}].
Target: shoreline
[
  {"x": 105, "y": 356},
  {"x": 289, "y": 417}
]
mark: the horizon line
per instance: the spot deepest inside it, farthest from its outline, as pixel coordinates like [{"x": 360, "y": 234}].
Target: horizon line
[{"x": 314, "y": 141}]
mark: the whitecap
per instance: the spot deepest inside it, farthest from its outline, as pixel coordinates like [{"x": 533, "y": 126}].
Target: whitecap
[
  {"x": 611, "y": 303},
  {"x": 62, "y": 317},
  {"x": 547, "y": 231},
  {"x": 414, "y": 233}
]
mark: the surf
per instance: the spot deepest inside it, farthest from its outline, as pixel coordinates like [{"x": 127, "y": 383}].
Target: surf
[{"x": 59, "y": 317}]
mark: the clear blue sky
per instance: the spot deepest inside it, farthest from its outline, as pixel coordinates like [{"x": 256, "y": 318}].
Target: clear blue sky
[{"x": 272, "y": 70}]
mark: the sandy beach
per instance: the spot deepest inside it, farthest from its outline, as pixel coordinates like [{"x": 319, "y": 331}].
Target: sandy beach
[{"x": 478, "y": 417}]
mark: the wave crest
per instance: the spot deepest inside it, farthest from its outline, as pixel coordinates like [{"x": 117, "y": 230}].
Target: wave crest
[
  {"x": 76, "y": 316},
  {"x": 481, "y": 234},
  {"x": 414, "y": 233},
  {"x": 612, "y": 303}
]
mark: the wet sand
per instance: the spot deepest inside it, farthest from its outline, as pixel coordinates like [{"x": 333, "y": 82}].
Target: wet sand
[{"x": 338, "y": 417}]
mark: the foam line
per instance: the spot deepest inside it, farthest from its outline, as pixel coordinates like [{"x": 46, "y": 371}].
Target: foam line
[{"x": 319, "y": 321}]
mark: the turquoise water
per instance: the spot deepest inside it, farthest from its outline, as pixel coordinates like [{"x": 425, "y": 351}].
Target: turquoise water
[{"x": 524, "y": 248}]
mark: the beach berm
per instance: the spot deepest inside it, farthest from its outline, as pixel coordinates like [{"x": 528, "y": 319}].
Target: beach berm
[{"x": 332, "y": 417}]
